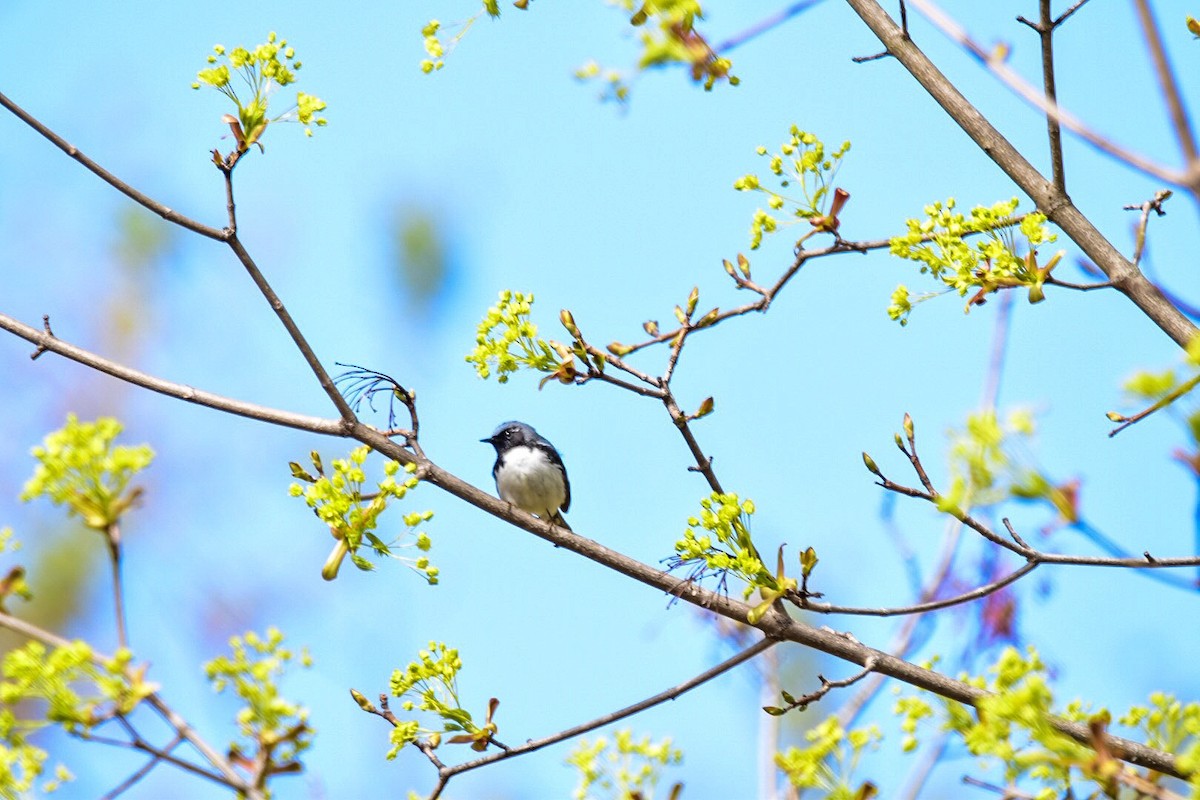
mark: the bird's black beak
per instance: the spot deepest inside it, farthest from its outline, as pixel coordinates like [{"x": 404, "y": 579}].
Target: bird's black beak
[{"x": 489, "y": 441}]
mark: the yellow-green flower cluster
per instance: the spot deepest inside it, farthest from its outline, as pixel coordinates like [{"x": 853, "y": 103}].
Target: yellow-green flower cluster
[
  {"x": 673, "y": 39},
  {"x": 1012, "y": 726},
  {"x": 269, "y": 723},
  {"x": 338, "y": 500},
  {"x": 268, "y": 67},
  {"x": 984, "y": 470},
  {"x": 830, "y": 760},
  {"x": 431, "y": 684},
  {"x": 805, "y": 170},
  {"x": 718, "y": 542},
  {"x": 433, "y": 47},
  {"x": 71, "y": 688},
  {"x": 507, "y": 339},
  {"x": 436, "y": 50},
  {"x": 982, "y": 252},
  {"x": 79, "y": 467},
  {"x": 625, "y": 767}
]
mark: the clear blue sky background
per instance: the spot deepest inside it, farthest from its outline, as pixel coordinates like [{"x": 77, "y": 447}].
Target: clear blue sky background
[{"x": 614, "y": 214}]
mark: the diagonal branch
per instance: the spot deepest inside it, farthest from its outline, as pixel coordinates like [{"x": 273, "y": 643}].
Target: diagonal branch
[
  {"x": 1054, "y": 204},
  {"x": 608, "y": 719},
  {"x": 293, "y": 330},
  {"x": 47, "y": 341},
  {"x": 141, "y": 199},
  {"x": 774, "y": 625},
  {"x": 1180, "y": 121},
  {"x": 994, "y": 61}
]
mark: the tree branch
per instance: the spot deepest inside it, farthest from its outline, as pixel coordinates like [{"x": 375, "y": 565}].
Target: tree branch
[
  {"x": 1056, "y": 206},
  {"x": 1180, "y": 121},
  {"x": 608, "y": 719},
  {"x": 48, "y": 342},
  {"x": 180, "y": 725},
  {"x": 293, "y": 330},
  {"x": 106, "y": 176}
]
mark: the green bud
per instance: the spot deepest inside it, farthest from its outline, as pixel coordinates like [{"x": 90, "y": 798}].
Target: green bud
[
  {"x": 693, "y": 298},
  {"x": 774, "y": 711},
  {"x": 568, "y": 322},
  {"x": 618, "y": 349},
  {"x": 650, "y": 326},
  {"x": 744, "y": 264},
  {"x": 708, "y": 319},
  {"x": 871, "y": 466},
  {"x": 808, "y": 560},
  {"x": 908, "y": 426},
  {"x": 363, "y": 702}
]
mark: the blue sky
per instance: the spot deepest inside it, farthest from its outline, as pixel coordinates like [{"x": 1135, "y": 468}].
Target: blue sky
[{"x": 614, "y": 214}]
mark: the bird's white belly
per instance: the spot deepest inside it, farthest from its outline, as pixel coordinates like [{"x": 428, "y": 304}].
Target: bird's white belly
[{"x": 530, "y": 482}]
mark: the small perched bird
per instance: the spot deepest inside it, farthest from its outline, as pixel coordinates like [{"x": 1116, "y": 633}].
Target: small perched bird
[{"x": 529, "y": 472}]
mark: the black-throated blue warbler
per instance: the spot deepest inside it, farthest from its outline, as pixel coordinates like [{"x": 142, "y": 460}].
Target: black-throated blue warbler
[{"x": 529, "y": 472}]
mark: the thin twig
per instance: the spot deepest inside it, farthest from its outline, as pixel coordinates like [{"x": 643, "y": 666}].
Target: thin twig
[
  {"x": 1045, "y": 28},
  {"x": 113, "y": 535},
  {"x": 293, "y": 330},
  {"x": 826, "y": 687},
  {"x": 927, "y": 606},
  {"x": 608, "y": 719},
  {"x": 764, "y": 25},
  {"x": 112, "y": 180},
  {"x": 141, "y": 772},
  {"x": 47, "y": 341},
  {"x": 1176, "y": 393},
  {"x": 1155, "y": 205}
]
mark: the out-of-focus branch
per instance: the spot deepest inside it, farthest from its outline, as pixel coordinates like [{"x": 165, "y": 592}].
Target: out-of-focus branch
[
  {"x": 179, "y": 724},
  {"x": 994, "y": 61},
  {"x": 1167, "y": 83}
]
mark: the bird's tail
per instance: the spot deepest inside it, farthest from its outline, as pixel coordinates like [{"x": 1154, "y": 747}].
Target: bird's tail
[{"x": 558, "y": 520}]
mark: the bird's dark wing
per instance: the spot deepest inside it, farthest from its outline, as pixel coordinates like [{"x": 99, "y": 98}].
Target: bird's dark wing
[{"x": 557, "y": 461}]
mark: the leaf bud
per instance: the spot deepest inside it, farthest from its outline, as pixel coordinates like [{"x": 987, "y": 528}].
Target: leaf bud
[
  {"x": 568, "y": 322},
  {"x": 618, "y": 349},
  {"x": 363, "y": 702}
]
